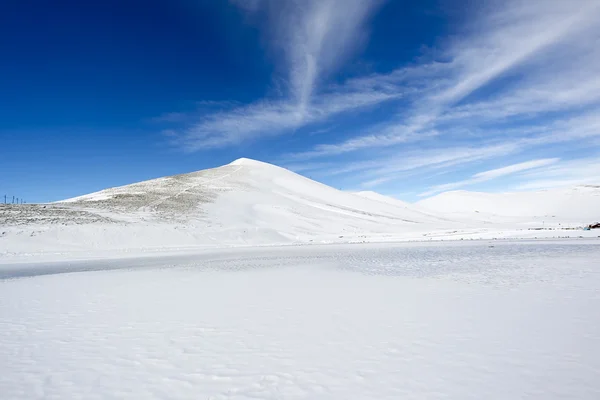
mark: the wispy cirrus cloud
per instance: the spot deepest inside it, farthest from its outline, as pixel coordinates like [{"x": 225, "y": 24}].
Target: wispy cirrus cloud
[
  {"x": 520, "y": 77},
  {"x": 311, "y": 38},
  {"x": 270, "y": 118},
  {"x": 435, "y": 160},
  {"x": 488, "y": 175},
  {"x": 316, "y": 36},
  {"x": 568, "y": 173},
  {"x": 545, "y": 55},
  {"x": 538, "y": 47}
]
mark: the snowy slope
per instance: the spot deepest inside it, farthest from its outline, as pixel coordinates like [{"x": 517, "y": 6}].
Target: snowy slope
[
  {"x": 249, "y": 184},
  {"x": 368, "y": 194},
  {"x": 414, "y": 209},
  {"x": 275, "y": 198},
  {"x": 253, "y": 194},
  {"x": 579, "y": 204}
]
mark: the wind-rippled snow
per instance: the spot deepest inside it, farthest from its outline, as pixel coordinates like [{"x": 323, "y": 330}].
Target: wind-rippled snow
[{"x": 396, "y": 321}]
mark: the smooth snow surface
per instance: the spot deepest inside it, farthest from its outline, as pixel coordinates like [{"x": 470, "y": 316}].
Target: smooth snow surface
[{"x": 509, "y": 320}]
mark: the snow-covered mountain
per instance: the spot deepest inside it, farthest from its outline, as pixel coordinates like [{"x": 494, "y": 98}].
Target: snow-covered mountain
[
  {"x": 578, "y": 204},
  {"x": 252, "y": 194},
  {"x": 250, "y": 202}
]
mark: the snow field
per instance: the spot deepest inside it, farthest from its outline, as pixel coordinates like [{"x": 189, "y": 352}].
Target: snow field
[{"x": 460, "y": 321}]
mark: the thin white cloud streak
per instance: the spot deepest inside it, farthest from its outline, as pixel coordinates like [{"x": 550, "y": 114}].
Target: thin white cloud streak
[
  {"x": 559, "y": 87},
  {"x": 543, "y": 184},
  {"x": 490, "y": 175},
  {"x": 583, "y": 127},
  {"x": 271, "y": 118},
  {"x": 511, "y": 169},
  {"x": 317, "y": 36},
  {"x": 566, "y": 173},
  {"x": 509, "y": 36},
  {"x": 313, "y": 36},
  {"x": 391, "y": 136},
  {"x": 386, "y": 169}
]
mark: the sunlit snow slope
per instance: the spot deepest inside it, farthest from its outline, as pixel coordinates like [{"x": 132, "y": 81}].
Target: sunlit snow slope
[
  {"x": 254, "y": 194},
  {"x": 250, "y": 202},
  {"x": 578, "y": 204}
]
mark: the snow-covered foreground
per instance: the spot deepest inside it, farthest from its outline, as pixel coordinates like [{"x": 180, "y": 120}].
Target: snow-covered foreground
[{"x": 494, "y": 320}]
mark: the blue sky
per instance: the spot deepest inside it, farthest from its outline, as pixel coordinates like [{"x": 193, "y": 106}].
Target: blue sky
[{"x": 407, "y": 98}]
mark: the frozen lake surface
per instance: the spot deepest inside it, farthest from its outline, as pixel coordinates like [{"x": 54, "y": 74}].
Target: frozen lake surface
[{"x": 461, "y": 320}]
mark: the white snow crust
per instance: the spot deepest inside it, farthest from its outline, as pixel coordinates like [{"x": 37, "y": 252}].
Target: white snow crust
[{"x": 453, "y": 320}]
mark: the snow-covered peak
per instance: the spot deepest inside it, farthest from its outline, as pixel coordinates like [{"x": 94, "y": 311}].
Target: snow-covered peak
[{"x": 248, "y": 162}]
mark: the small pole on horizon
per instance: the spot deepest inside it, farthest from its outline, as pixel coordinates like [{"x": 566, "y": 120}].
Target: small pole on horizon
[{"x": 13, "y": 200}]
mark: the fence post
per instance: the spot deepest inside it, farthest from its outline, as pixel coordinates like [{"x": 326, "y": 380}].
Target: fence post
[{"x": 15, "y": 200}]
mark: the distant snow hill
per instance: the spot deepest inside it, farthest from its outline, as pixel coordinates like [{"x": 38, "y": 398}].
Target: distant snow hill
[
  {"x": 574, "y": 205},
  {"x": 250, "y": 202}
]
